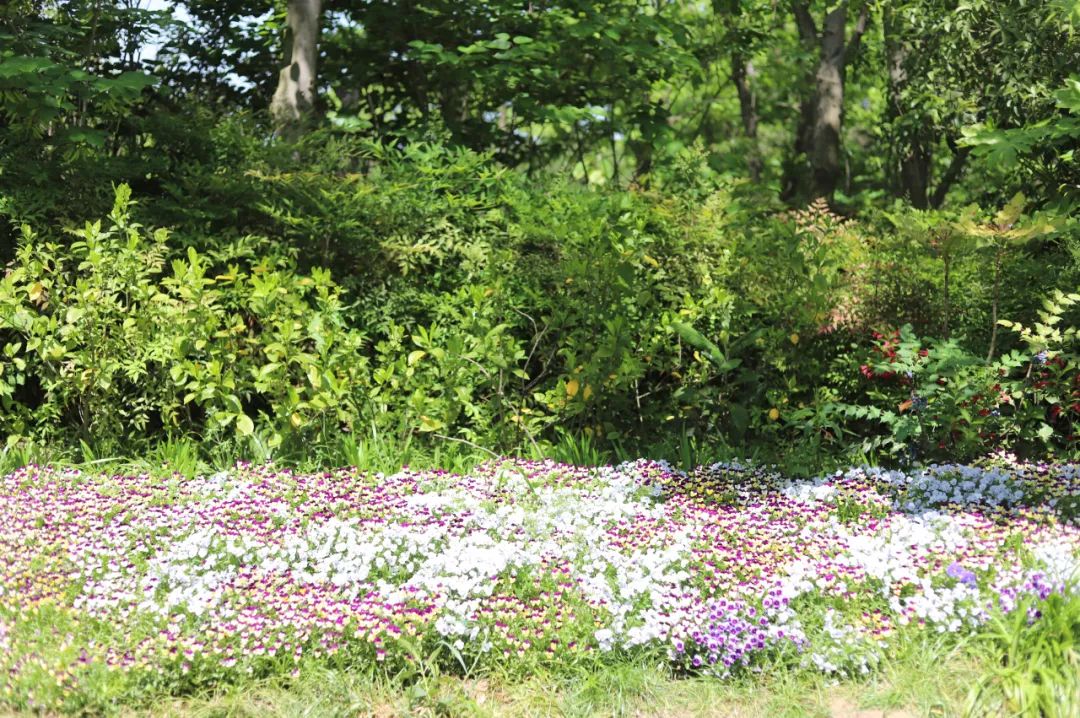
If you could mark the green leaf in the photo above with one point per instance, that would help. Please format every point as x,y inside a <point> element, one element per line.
<point>82,136</point>
<point>740,418</point>
<point>695,339</point>
<point>244,425</point>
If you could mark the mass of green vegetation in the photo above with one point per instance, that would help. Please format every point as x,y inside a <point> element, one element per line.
<point>813,234</point>
<point>807,229</point>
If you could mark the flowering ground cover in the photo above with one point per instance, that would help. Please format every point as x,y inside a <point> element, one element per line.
<point>118,589</point>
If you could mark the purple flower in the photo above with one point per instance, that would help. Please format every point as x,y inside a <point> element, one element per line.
<point>961,574</point>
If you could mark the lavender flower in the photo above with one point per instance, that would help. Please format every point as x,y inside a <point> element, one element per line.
<point>961,574</point>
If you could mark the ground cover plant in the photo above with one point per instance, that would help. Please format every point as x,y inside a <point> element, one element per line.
<point>121,589</point>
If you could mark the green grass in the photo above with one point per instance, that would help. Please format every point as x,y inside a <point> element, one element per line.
<point>925,676</point>
<point>914,684</point>
<point>372,451</point>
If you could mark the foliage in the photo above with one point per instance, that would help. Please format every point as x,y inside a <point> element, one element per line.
<point>543,221</point>
<point>1044,147</point>
<point>934,400</point>
<point>921,395</point>
<point>1037,648</point>
<point>111,341</point>
<point>71,96</point>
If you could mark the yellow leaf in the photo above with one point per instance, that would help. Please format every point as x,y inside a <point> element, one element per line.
<point>295,420</point>
<point>572,388</point>
<point>794,338</point>
<point>650,261</point>
<point>429,424</point>
<point>586,393</point>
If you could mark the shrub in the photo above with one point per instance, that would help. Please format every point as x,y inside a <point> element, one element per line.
<point>101,342</point>
<point>926,399</point>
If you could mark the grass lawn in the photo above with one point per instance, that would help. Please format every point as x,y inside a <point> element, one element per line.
<point>924,681</point>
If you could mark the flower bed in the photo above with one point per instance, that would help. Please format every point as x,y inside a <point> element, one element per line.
<point>119,584</point>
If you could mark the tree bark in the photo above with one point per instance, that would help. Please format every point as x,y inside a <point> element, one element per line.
<point>956,168</point>
<point>740,75</point>
<point>914,157</point>
<point>829,105</point>
<point>822,114</point>
<point>792,183</point>
<point>294,97</point>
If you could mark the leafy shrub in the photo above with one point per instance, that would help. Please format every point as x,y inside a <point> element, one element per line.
<point>921,396</point>
<point>102,342</point>
<point>477,305</point>
<point>928,399</point>
<point>499,307</point>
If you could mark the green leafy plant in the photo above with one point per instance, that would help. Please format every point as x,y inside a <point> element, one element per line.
<point>102,345</point>
<point>1036,652</point>
<point>922,401</point>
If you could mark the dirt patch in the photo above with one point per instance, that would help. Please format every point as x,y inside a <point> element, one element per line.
<point>840,707</point>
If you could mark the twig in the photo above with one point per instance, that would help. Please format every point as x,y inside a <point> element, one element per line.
<point>466,441</point>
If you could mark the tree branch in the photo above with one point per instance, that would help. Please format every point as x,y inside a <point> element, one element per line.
<point>855,43</point>
<point>956,167</point>
<point>805,22</point>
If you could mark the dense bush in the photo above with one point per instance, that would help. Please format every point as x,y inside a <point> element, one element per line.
<point>500,307</point>
<point>109,339</point>
<point>926,399</point>
<point>474,304</point>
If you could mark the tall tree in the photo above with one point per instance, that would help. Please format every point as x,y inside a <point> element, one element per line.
<point>742,33</point>
<point>821,117</point>
<point>294,97</point>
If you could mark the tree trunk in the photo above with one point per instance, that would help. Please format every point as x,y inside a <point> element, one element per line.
<point>741,70</point>
<point>818,137</point>
<point>956,168</point>
<point>913,180</point>
<point>295,95</point>
<point>824,151</point>
<point>914,174</point>
<point>643,160</point>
